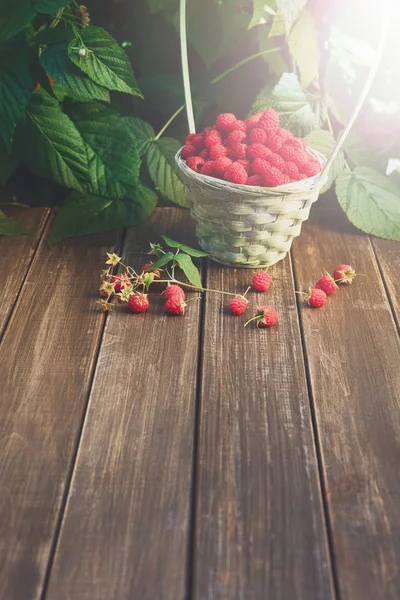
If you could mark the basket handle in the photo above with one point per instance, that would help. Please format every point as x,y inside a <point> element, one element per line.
<point>354,115</point>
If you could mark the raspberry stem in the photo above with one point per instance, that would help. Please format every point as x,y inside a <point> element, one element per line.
<point>193,287</point>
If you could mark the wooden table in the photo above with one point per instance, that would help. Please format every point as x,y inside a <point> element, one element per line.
<point>146,457</point>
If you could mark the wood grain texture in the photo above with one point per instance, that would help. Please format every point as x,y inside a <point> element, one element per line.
<point>47,358</point>
<point>259,521</point>
<point>388,254</point>
<point>353,355</point>
<point>126,527</point>
<point>16,256</point>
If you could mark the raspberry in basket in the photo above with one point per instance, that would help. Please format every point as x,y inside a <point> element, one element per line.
<point>274,177</point>
<point>291,169</point>
<point>290,154</point>
<point>274,142</point>
<point>261,167</point>
<point>239,125</point>
<point>235,137</point>
<point>211,138</point>
<point>208,168</point>
<point>255,180</point>
<point>196,163</point>
<point>258,136</point>
<point>246,164</point>
<point>311,168</point>
<point>224,123</point>
<point>276,161</point>
<point>238,152</point>
<point>253,121</point>
<point>217,151</point>
<point>269,120</point>
<point>284,133</point>
<point>258,151</point>
<point>236,174</point>
<point>196,140</point>
<point>188,150</point>
<point>221,165</point>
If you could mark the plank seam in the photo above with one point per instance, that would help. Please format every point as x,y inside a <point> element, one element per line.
<point>385,286</point>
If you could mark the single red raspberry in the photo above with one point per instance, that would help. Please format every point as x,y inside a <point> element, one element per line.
<point>269,120</point>
<point>258,151</point>
<point>326,284</point>
<point>238,125</point>
<point>238,152</point>
<point>316,298</point>
<point>265,317</point>
<point>217,151</point>
<point>212,137</point>
<point>138,302</point>
<point>311,168</point>
<point>261,281</point>
<point>236,173</point>
<point>235,137</point>
<point>253,121</point>
<point>259,166</point>
<point>344,274</point>
<point>188,151</point>
<point>208,168</point>
<point>285,179</point>
<point>299,177</point>
<point>245,163</point>
<point>203,153</point>
<point>275,178</point>
<point>121,281</point>
<point>291,169</point>
<point>255,180</point>
<point>276,161</point>
<point>284,134</point>
<point>274,142</point>
<point>290,154</point>
<point>221,165</point>
<point>196,140</point>
<point>175,305</point>
<point>156,272</point>
<point>224,123</point>
<point>258,136</point>
<point>173,290</point>
<point>238,305</point>
<point>196,163</point>
<point>297,143</point>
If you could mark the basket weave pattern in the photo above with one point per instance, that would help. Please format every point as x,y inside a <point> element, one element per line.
<point>247,226</point>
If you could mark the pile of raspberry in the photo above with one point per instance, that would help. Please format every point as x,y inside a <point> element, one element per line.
<point>254,152</point>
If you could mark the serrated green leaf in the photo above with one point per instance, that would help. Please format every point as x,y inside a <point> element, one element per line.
<point>16,85</point>
<point>10,227</point>
<point>111,148</point>
<point>162,261</point>
<point>103,60</point>
<point>304,48</point>
<point>290,10</point>
<point>262,13</point>
<point>50,145</point>
<point>143,132</point>
<point>162,169</point>
<point>278,26</point>
<point>324,142</point>
<point>54,59</point>
<point>293,105</point>
<point>14,16</point>
<point>189,268</point>
<point>371,202</point>
<point>188,249</point>
<point>89,214</point>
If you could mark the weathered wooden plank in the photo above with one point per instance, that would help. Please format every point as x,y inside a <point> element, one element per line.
<point>16,256</point>
<point>353,355</point>
<point>388,254</point>
<point>126,526</point>
<point>47,358</point>
<point>259,521</point>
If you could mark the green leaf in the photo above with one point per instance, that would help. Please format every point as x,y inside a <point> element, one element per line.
<point>189,268</point>
<point>49,6</point>
<point>293,105</point>
<point>303,46</point>
<point>278,26</point>
<point>16,85</point>
<point>103,60</point>
<point>54,59</point>
<point>111,148</point>
<point>14,16</point>
<point>262,13</point>
<point>324,142</point>
<point>84,215</point>
<point>143,132</point>
<point>371,202</point>
<point>10,227</point>
<point>188,249</point>
<point>8,163</point>
<point>290,10</point>
<point>50,145</point>
<point>162,169</point>
<point>162,261</point>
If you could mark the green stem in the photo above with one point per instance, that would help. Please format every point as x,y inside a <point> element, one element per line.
<point>194,287</point>
<point>168,123</point>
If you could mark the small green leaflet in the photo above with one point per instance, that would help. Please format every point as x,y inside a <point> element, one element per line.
<point>371,202</point>
<point>103,60</point>
<point>290,10</point>
<point>143,132</point>
<point>278,26</point>
<point>324,142</point>
<point>162,169</point>
<point>304,48</point>
<point>261,13</point>
<point>10,227</point>
<point>16,85</point>
<point>161,262</point>
<point>189,268</point>
<point>187,249</point>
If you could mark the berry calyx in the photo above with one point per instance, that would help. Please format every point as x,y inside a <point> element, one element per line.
<point>265,317</point>
<point>175,305</point>
<point>121,281</point>
<point>138,302</point>
<point>316,298</point>
<point>156,272</point>
<point>344,274</point>
<point>173,291</point>
<point>261,281</point>
<point>326,284</point>
<point>238,305</point>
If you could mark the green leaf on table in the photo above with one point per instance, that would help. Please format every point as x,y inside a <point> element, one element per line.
<point>16,85</point>
<point>87,214</point>
<point>98,55</point>
<point>161,262</point>
<point>163,171</point>
<point>262,13</point>
<point>187,249</point>
<point>294,106</point>
<point>303,46</point>
<point>14,16</point>
<point>10,227</point>
<point>290,10</point>
<point>371,202</point>
<point>278,26</point>
<point>143,132</point>
<point>111,148</point>
<point>189,268</point>
<point>50,145</point>
<point>323,141</point>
